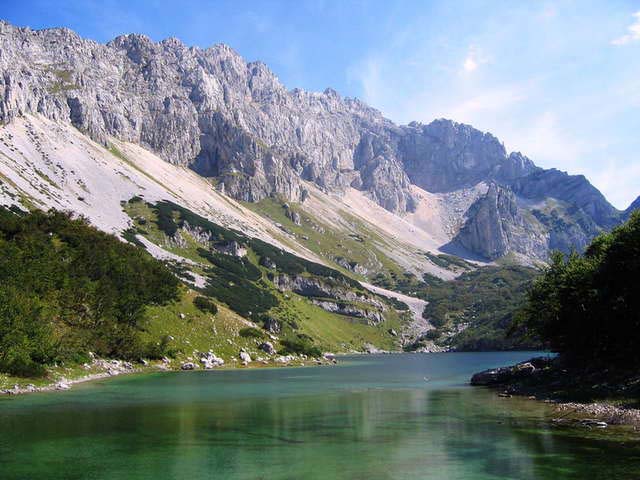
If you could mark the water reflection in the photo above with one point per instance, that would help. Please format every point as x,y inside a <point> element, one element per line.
<point>374,419</point>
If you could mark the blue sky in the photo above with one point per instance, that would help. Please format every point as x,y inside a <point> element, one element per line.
<point>557,80</point>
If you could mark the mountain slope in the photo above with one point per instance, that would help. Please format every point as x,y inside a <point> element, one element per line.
<point>209,110</point>
<point>88,128</point>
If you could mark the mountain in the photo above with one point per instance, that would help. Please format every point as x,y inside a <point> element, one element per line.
<point>224,118</point>
<point>87,127</point>
<point>635,205</point>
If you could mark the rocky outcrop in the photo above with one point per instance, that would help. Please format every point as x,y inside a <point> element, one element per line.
<point>495,226</point>
<point>334,297</point>
<point>574,190</point>
<point>205,108</point>
<point>506,375</point>
<point>267,347</point>
<point>635,205</point>
<point>372,316</point>
<point>444,156</point>
<point>212,111</point>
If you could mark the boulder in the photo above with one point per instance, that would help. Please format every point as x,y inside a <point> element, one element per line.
<point>188,366</point>
<point>245,357</point>
<point>498,376</point>
<point>209,360</point>
<point>267,347</point>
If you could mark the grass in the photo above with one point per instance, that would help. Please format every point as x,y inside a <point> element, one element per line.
<point>297,314</point>
<point>198,330</point>
<point>333,332</point>
<point>358,246</point>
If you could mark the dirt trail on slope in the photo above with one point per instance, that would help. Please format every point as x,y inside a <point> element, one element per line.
<point>419,325</point>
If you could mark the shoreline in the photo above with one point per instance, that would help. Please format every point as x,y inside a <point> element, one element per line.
<point>544,379</point>
<point>116,368</point>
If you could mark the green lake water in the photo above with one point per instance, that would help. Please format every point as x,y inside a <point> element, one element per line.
<point>371,417</point>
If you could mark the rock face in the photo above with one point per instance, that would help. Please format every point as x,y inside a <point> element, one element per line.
<point>496,226</point>
<point>334,297</point>
<point>444,156</point>
<point>210,110</point>
<point>207,109</point>
<point>635,205</point>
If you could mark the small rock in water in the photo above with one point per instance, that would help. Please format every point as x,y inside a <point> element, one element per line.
<point>593,423</point>
<point>63,385</point>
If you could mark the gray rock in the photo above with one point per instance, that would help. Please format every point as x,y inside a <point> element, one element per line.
<point>272,325</point>
<point>495,226</point>
<point>498,376</point>
<point>267,347</point>
<point>188,366</point>
<point>245,357</point>
<point>209,360</point>
<point>210,110</point>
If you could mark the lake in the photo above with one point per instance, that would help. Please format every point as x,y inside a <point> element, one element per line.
<point>371,417</point>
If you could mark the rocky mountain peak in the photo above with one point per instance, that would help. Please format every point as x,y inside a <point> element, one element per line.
<point>210,110</point>
<point>635,205</point>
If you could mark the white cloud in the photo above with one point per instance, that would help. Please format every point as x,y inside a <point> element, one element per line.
<point>633,35</point>
<point>470,64</point>
<point>473,60</point>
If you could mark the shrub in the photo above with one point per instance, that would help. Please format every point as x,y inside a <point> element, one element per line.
<point>251,332</point>
<point>67,288</point>
<point>205,305</point>
<point>301,344</point>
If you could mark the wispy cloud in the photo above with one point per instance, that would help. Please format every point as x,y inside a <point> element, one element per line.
<point>543,81</point>
<point>473,60</point>
<point>633,34</point>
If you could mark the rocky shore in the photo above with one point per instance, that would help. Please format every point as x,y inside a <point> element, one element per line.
<point>100,368</point>
<point>590,397</point>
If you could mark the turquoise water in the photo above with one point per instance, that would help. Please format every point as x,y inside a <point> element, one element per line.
<point>372,417</point>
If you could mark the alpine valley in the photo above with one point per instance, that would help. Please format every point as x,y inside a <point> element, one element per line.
<point>298,222</point>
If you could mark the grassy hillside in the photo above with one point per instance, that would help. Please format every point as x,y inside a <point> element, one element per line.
<point>476,310</point>
<point>69,291</point>
<point>355,254</point>
<point>245,284</point>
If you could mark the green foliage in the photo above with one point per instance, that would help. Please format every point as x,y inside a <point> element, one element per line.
<point>587,307</point>
<point>250,332</point>
<point>231,264</point>
<point>66,289</point>
<point>448,261</point>
<point>237,281</point>
<point>205,305</point>
<point>243,296</point>
<point>484,301</point>
<point>397,304</point>
<point>300,344</point>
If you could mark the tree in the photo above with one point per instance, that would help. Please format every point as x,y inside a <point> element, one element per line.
<point>587,307</point>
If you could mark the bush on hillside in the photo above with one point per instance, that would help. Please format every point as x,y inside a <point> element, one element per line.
<point>67,288</point>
